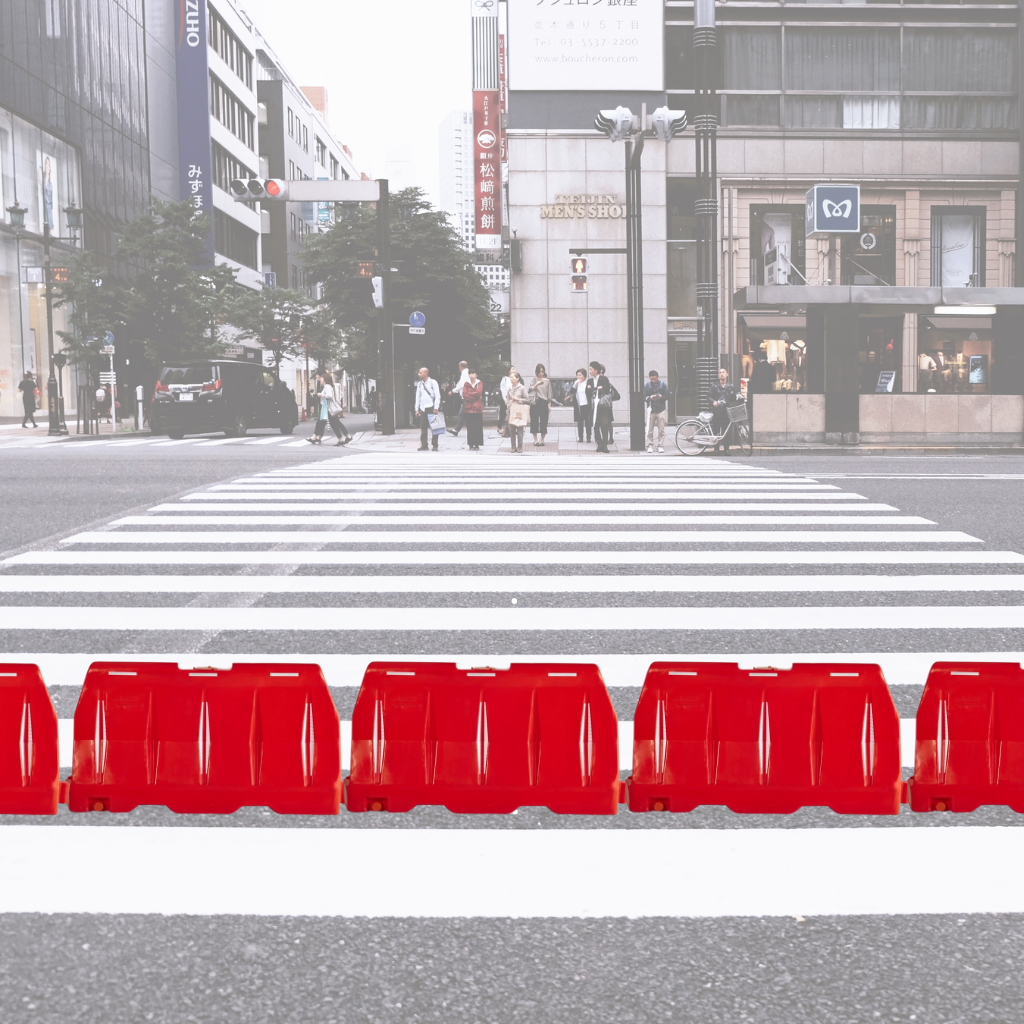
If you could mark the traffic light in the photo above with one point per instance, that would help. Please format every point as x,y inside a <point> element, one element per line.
<point>377,285</point>
<point>668,124</point>
<point>617,123</point>
<point>578,274</point>
<point>245,190</point>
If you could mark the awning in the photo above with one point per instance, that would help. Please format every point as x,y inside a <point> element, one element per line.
<point>767,322</point>
<point>961,323</point>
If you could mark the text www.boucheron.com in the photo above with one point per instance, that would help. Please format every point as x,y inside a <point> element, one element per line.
<point>586,58</point>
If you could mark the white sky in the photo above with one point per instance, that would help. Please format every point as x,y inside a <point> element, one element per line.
<point>394,69</point>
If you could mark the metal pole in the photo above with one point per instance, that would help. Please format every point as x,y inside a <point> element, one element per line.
<point>705,123</point>
<point>51,383</point>
<point>21,301</point>
<point>386,355</point>
<point>635,261</point>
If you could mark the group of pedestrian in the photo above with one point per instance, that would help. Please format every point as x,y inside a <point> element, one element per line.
<point>468,391</point>
<point>591,396</point>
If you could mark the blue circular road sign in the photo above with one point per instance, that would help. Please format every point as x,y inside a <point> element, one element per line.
<point>417,319</point>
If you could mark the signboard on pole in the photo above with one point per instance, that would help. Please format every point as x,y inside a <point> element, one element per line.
<point>195,157</point>
<point>584,47</point>
<point>487,169</point>
<point>833,210</point>
<point>502,96</point>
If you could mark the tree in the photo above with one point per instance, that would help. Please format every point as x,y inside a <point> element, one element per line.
<point>436,276</point>
<point>274,318</point>
<point>161,294</point>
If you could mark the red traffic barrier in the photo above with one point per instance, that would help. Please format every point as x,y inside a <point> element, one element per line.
<point>765,741</point>
<point>29,755</point>
<point>206,741</point>
<point>484,741</point>
<point>970,738</point>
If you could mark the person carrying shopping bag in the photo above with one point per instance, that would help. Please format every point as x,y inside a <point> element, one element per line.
<point>330,412</point>
<point>428,403</point>
<point>518,411</point>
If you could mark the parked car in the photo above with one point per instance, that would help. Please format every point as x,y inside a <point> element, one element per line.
<point>220,394</point>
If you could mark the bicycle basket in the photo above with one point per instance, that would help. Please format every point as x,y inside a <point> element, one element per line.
<point>737,413</point>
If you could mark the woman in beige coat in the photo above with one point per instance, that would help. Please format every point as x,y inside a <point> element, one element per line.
<point>518,411</point>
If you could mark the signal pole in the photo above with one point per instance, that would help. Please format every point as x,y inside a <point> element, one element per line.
<point>386,348</point>
<point>705,124</point>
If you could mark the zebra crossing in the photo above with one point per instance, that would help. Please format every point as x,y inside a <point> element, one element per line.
<point>620,563</point>
<point>61,444</point>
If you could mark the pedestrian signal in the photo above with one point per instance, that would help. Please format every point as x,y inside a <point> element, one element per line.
<point>578,274</point>
<point>245,190</point>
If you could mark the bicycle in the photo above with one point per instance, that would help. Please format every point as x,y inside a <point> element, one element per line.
<point>695,436</point>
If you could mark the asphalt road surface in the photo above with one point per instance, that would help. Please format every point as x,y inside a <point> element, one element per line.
<point>208,555</point>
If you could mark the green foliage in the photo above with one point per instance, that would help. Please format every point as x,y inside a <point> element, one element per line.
<point>436,276</point>
<point>168,298</point>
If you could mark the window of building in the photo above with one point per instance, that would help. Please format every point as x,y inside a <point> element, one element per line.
<point>682,247</point>
<point>291,123</point>
<point>226,168</point>
<point>305,138</point>
<point>233,240</point>
<point>291,170</point>
<point>870,257</point>
<point>777,245</point>
<point>918,79</point>
<point>226,109</point>
<point>320,149</point>
<point>293,222</point>
<point>227,45</point>
<point>958,246</point>
<point>335,166</point>
<point>954,355</point>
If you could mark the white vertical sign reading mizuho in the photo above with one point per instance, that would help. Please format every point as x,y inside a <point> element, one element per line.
<point>586,45</point>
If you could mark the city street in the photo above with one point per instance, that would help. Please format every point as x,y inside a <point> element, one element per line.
<point>253,552</point>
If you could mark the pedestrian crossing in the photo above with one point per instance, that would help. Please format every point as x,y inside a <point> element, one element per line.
<point>66,445</point>
<point>346,559</point>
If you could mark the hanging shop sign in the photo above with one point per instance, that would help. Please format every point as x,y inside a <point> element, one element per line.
<point>833,210</point>
<point>583,206</point>
<point>487,169</point>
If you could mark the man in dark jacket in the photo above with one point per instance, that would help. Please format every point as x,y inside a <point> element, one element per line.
<point>721,396</point>
<point>598,387</point>
<point>27,387</point>
<point>762,381</point>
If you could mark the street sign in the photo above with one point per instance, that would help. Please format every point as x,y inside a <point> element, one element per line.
<point>832,210</point>
<point>417,330</point>
<point>417,319</point>
<point>107,350</point>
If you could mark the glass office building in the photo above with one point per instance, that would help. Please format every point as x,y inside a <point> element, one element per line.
<point>73,131</point>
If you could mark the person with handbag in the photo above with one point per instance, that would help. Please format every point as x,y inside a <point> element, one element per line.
<point>330,412</point>
<point>600,394</point>
<point>518,411</point>
<point>539,396</point>
<point>473,410</point>
<point>581,411</point>
<point>428,402</point>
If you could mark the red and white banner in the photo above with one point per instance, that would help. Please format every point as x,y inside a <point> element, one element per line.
<point>487,168</point>
<point>502,97</point>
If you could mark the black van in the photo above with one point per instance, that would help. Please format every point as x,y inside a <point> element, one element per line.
<point>220,394</point>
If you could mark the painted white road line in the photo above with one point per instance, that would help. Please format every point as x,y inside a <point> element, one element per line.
<point>185,440</point>
<point>500,557</point>
<point>510,873</point>
<point>348,487</point>
<point>453,497</point>
<point>451,619</point>
<point>618,670</point>
<point>220,440</point>
<point>354,536</point>
<point>432,583</point>
<point>277,440</point>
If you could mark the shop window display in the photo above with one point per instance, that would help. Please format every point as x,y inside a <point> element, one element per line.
<point>869,258</point>
<point>881,356</point>
<point>786,356</point>
<point>954,355</point>
<point>777,245</point>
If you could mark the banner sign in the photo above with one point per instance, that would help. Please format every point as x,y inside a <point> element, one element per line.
<point>832,210</point>
<point>502,97</point>
<point>487,169</point>
<point>195,158</point>
<point>609,46</point>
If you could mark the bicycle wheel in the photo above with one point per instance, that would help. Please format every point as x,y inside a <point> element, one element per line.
<point>745,437</point>
<point>693,436</point>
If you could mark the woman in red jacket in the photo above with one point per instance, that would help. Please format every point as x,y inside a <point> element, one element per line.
<point>473,410</point>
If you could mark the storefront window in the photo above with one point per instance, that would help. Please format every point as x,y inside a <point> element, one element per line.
<point>777,245</point>
<point>881,355</point>
<point>870,257</point>
<point>958,246</point>
<point>682,247</point>
<point>780,343</point>
<point>954,355</point>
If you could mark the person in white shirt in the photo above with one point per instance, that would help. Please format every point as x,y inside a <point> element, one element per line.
<point>457,390</point>
<point>504,387</point>
<point>428,401</point>
<point>582,412</point>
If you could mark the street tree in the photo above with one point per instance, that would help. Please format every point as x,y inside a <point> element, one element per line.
<point>436,276</point>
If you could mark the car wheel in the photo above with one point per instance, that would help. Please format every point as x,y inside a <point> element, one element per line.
<point>175,435</point>
<point>287,428</point>
<point>238,427</point>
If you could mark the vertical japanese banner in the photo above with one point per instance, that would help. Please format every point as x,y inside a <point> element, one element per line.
<point>487,169</point>
<point>502,97</point>
<point>195,158</point>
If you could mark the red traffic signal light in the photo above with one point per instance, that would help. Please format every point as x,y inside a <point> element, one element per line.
<point>245,190</point>
<point>578,274</point>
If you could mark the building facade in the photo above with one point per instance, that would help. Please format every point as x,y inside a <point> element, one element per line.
<point>914,330</point>
<point>73,133</point>
<point>455,173</point>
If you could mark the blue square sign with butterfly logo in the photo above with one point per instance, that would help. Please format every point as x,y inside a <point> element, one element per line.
<point>833,210</point>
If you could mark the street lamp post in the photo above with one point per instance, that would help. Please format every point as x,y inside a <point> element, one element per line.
<point>17,215</point>
<point>618,125</point>
<point>705,125</point>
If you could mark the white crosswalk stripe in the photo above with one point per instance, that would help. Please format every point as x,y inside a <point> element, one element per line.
<point>384,555</point>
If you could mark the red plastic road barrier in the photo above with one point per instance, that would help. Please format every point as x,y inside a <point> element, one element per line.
<point>765,741</point>
<point>970,738</point>
<point>484,741</point>
<point>207,740</point>
<point>29,757</point>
